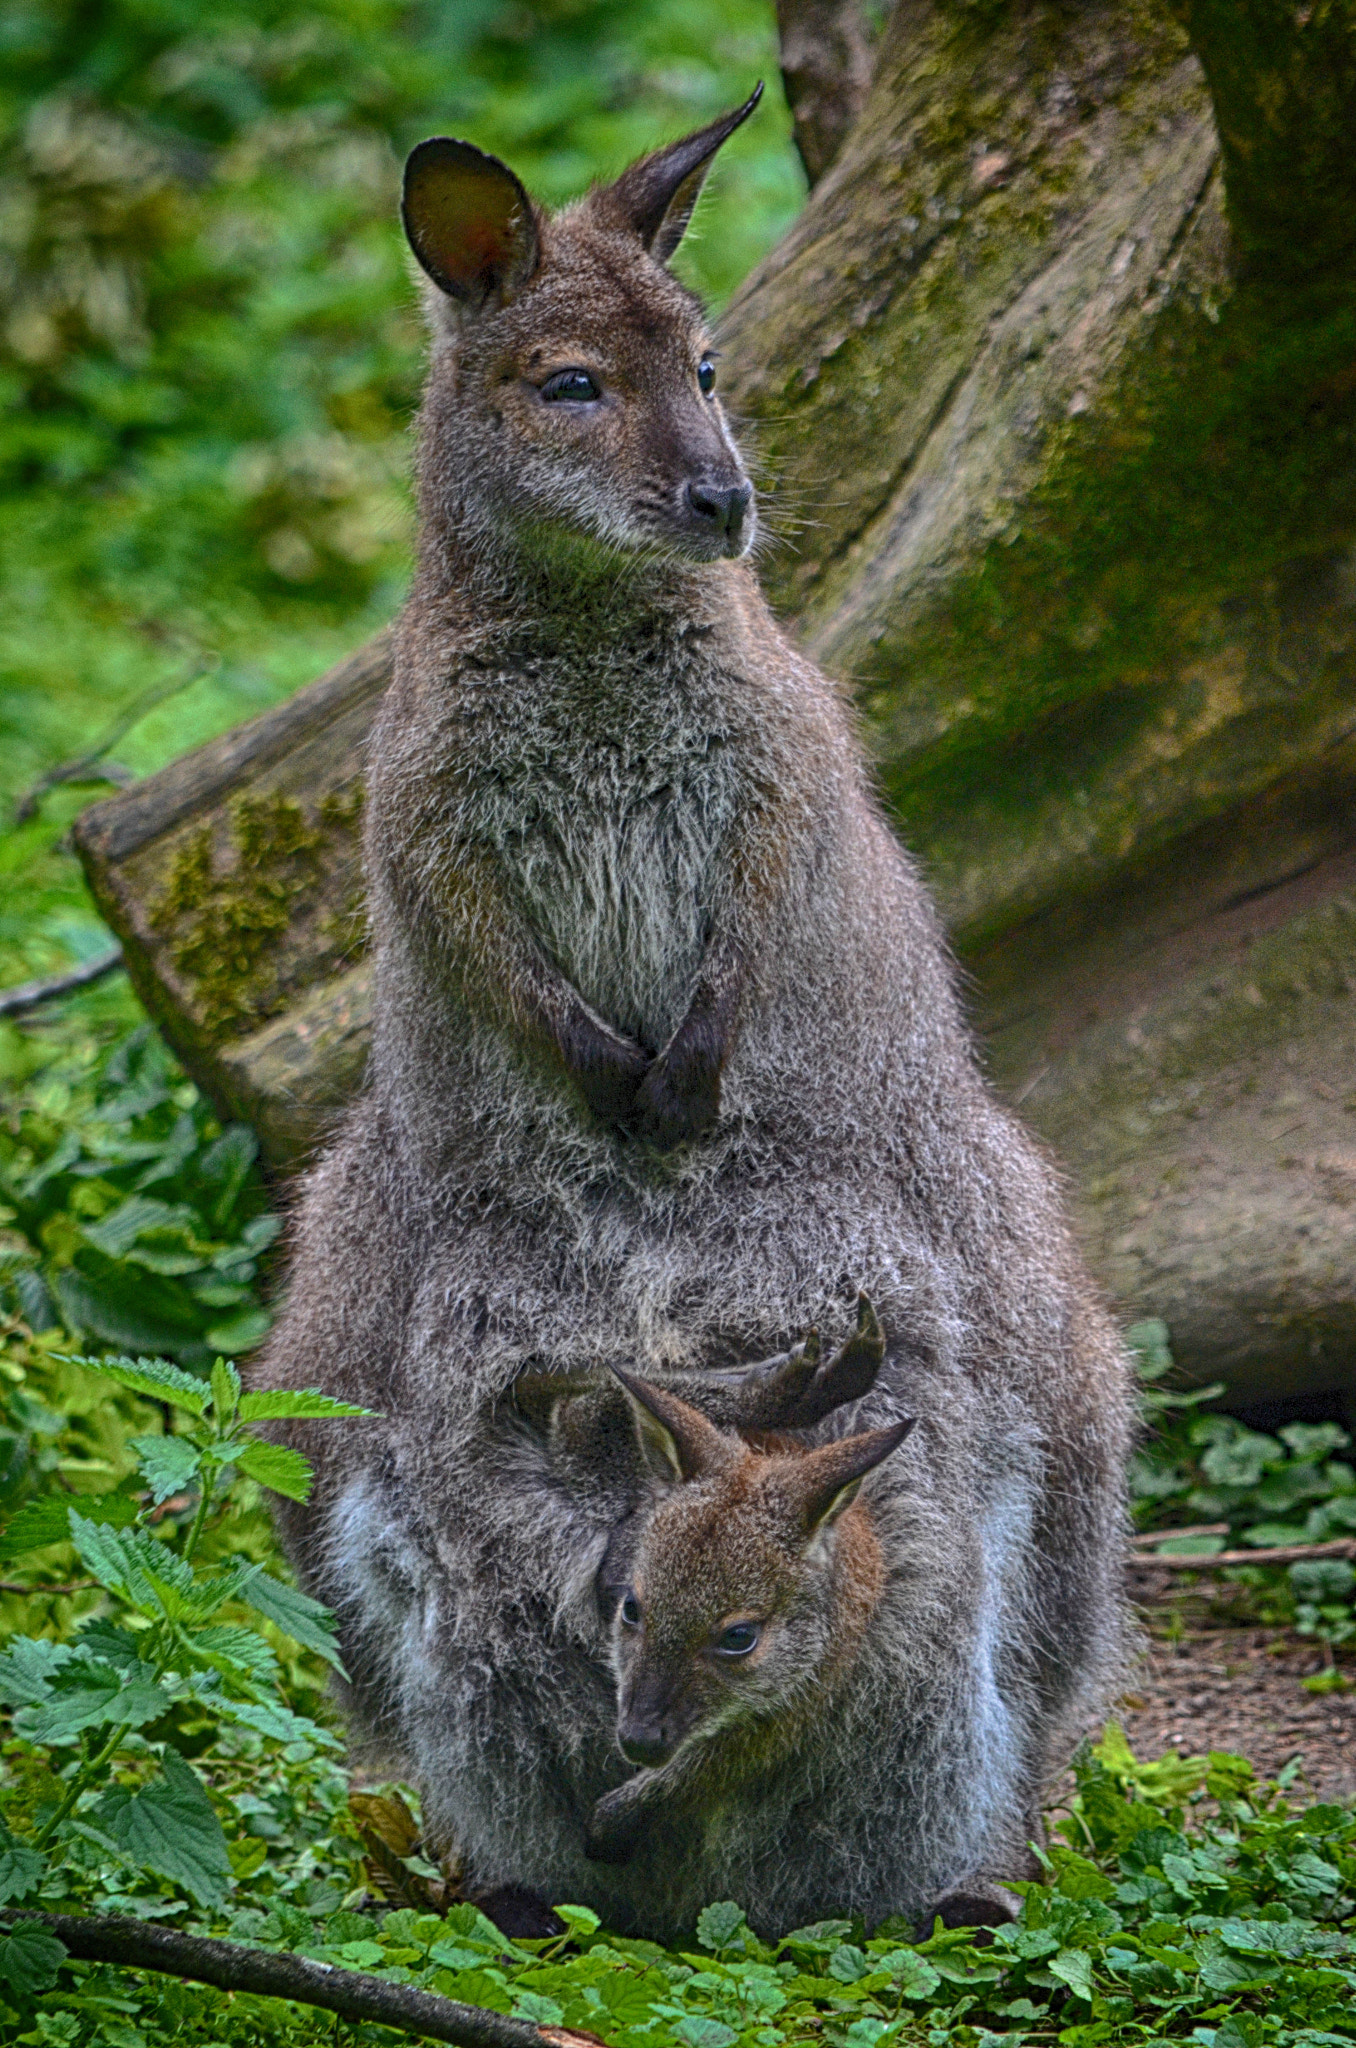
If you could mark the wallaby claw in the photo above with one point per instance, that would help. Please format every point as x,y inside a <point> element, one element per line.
<point>794,1391</point>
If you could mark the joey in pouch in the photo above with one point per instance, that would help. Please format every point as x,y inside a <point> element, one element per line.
<point>668,1064</point>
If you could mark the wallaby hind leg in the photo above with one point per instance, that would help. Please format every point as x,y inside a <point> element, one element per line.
<point>978,1901</point>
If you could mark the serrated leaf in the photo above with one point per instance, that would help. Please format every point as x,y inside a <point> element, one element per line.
<point>30,1958</point>
<point>154,1377</point>
<point>234,1652</point>
<point>133,1563</point>
<point>225,1391</point>
<point>27,1670</point>
<point>1073,1966</point>
<point>169,1827</point>
<point>718,1925</point>
<point>21,1868</point>
<point>169,1463</point>
<point>88,1693</point>
<point>276,1466</point>
<point>296,1614</point>
<point>281,1403</point>
<point>280,1723</point>
<point>40,1523</point>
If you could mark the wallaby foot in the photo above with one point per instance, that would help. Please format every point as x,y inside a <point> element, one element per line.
<point>519,1913</point>
<point>612,1831</point>
<point>795,1391</point>
<point>977,1901</point>
<point>679,1097</point>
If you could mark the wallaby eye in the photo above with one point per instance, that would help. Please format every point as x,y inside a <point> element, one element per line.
<point>738,1639</point>
<point>706,376</point>
<point>576,385</point>
<point>630,1611</point>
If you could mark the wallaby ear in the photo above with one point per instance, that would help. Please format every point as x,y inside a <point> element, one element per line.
<point>677,1442</point>
<point>469,222</point>
<point>829,1480</point>
<point>655,197</point>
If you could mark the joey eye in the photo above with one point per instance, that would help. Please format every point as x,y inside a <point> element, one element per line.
<point>630,1611</point>
<point>738,1639</point>
<point>576,385</point>
<point>706,376</point>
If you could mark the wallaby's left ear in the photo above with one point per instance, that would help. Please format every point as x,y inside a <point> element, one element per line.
<point>469,221</point>
<point>655,198</point>
<point>829,1480</point>
<point>677,1442</point>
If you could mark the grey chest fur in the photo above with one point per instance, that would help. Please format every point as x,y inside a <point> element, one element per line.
<point>609,820</point>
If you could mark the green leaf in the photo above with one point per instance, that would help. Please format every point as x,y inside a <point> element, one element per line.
<point>719,1926</point>
<point>1073,1966</point>
<point>88,1693</point>
<point>276,1466</point>
<point>279,1403</point>
<point>169,1827</point>
<point>132,1562</point>
<point>169,1462</point>
<point>296,1614</point>
<point>156,1378</point>
<point>40,1523</point>
<point>21,1868</point>
<point>30,1958</point>
<point>241,1332</point>
<point>225,1391</point>
<point>279,1723</point>
<point>27,1671</point>
<point>234,1652</point>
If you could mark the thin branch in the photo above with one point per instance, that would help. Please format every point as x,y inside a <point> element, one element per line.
<point>1283,1553</point>
<point>352,1994</point>
<point>35,1592</point>
<point>1148,1537</point>
<point>29,994</point>
<point>82,768</point>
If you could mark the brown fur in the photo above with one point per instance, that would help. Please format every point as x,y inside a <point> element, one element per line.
<point>668,1063</point>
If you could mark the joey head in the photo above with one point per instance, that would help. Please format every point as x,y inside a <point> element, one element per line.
<point>750,1585</point>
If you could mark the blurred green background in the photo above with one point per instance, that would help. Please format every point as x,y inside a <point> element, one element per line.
<point>210,350</point>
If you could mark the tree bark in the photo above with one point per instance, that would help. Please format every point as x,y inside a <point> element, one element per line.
<point>826,70</point>
<point>1056,421</point>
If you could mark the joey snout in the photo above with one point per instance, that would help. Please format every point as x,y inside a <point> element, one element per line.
<point>654,1720</point>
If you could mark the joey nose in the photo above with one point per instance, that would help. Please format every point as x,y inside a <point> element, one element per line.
<point>723,506</point>
<point>644,1742</point>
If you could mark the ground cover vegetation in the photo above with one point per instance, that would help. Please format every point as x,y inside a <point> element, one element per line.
<point>209,359</point>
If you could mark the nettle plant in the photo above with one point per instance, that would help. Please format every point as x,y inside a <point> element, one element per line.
<point>103,1719</point>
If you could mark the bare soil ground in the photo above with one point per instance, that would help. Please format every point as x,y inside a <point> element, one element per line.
<point>1241,1689</point>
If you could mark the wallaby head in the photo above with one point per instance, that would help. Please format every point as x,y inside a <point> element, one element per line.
<point>752,1583</point>
<point>572,384</point>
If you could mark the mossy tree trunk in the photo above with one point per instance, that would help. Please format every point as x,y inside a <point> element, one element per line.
<point>1054,386</point>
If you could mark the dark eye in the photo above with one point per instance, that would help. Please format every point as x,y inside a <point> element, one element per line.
<point>630,1611</point>
<point>706,375</point>
<point>738,1639</point>
<point>571,384</point>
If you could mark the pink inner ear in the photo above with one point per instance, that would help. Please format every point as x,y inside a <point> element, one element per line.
<point>468,221</point>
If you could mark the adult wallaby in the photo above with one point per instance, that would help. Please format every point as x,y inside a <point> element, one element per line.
<point>668,1062</point>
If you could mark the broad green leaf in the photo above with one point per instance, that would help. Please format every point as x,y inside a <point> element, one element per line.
<point>296,1614</point>
<point>132,1563</point>
<point>720,1925</point>
<point>40,1523</point>
<point>169,1463</point>
<point>225,1391</point>
<point>116,1645</point>
<point>29,1960</point>
<point>240,1332</point>
<point>154,1377</point>
<point>21,1868</point>
<point>1073,1966</point>
<point>913,1974</point>
<point>279,1403</point>
<point>234,1652</point>
<point>88,1693</point>
<point>27,1671</point>
<point>169,1827</point>
<point>276,1466</point>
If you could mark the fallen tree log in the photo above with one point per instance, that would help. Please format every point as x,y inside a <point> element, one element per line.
<point>1058,424</point>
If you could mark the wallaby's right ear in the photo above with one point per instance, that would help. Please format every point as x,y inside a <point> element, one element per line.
<point>469,222</point>
<point>677,1442</point>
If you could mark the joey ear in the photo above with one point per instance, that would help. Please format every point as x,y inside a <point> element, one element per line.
<point>656,196</point>
<point>469,222</point>
<point>677,1442</point>
<point>828,1480</point>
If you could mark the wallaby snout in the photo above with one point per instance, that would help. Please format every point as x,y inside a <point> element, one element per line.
<point>715,504</point>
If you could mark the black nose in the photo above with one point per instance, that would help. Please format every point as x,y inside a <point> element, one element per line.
<point>725,505</point>
<point>644,1743</point>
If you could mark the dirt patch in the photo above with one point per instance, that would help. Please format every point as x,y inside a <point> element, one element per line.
<point>1241,1689</point>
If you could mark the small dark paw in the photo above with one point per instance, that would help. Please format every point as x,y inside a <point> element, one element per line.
<point>612,1831</point>
<point>796,1391</point>
<point>679,1097</point>
<point>608,1075</point>
<point>520,1914</point>
<point>974,1902</point>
